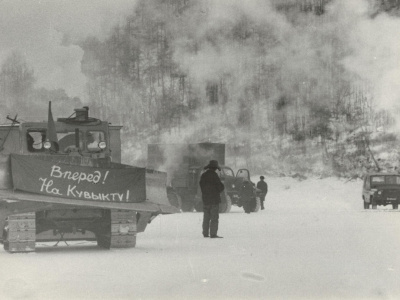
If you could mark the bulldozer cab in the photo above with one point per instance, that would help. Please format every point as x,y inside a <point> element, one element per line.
<point>86,137</point>
<point>86,140</point>
<point>83,138</point>
<point>89,141</point>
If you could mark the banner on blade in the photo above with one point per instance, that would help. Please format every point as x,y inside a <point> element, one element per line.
<point>35,175</point>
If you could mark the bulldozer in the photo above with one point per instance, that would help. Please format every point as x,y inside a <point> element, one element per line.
<point>184,164</point>
<point>63,180</point>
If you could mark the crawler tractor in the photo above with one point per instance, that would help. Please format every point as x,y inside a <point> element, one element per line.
<point>63,180</point>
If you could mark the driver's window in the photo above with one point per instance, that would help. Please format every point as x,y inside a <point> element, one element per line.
<point>93,138</point>
<point>243,174</point>
<point>35,140</point>
<point>226,172</point>
<point>67,141</point>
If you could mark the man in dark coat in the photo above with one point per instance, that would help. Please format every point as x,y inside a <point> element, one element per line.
<point>263,186</point>
<point>211,187</point>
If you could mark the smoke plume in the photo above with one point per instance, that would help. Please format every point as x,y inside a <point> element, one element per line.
<point>375,49</point>
<point>348,41</point>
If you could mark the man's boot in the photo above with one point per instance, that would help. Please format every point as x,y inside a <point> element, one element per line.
<point>216,237</point>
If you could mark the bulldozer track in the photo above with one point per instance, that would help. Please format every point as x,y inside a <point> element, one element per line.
<point>20,233</point>
<point>122,230</point>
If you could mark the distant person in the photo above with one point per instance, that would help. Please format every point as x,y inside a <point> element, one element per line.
<point>263,186</point>
<point>211,186</point>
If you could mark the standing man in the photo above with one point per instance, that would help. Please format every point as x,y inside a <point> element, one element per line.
<point>211,187</point>
<point>263,186</point>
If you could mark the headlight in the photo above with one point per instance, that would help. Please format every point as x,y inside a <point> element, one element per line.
<point>102,145</point>
<point>47,145</point>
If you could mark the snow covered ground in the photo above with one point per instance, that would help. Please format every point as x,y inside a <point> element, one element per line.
<point>313,241</point>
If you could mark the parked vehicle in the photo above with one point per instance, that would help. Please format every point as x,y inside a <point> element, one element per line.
<point>185,163</point>
<point>235,186</point>
<point>381,188</point>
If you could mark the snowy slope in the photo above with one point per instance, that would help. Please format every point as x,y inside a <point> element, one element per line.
<point>313,241</point>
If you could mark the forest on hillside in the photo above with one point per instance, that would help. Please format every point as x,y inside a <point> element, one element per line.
<point>290,86</point>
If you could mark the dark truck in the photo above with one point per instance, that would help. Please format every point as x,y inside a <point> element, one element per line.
<point>235,189</point>
<point>185,163</point>
<point>381,188</point>
<point>63,180</point>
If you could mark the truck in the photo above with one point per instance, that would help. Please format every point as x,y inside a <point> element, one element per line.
<point>235,185</point>
<point>381,188</point>
<point>63,180</point>
<point>184,164</point>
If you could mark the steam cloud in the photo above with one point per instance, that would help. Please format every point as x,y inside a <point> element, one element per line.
<point>346,35</point>
<point>375,49</point>
<point>208,29</point>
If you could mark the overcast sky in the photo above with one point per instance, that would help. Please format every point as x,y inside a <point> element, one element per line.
<point>36,28</point>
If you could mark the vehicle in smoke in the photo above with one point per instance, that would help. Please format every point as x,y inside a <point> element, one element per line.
<point>235,186</point>
<point>64,180</point>
<point>185,163</point>
<point>381,188</point>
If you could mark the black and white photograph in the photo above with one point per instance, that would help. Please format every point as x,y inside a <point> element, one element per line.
<point>199,149</point>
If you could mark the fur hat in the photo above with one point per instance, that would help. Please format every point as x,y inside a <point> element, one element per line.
<point>213,164</point>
